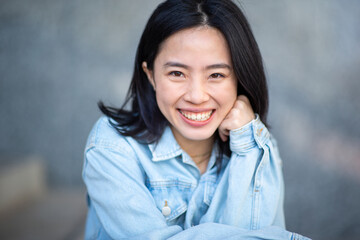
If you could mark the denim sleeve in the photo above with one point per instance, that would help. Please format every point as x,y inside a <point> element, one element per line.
<point>253,148</point>
<point>213,231</point>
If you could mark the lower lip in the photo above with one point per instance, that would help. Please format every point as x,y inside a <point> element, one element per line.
<point>196,123</point>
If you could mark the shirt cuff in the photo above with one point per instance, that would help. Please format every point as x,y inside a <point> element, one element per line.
<point>250,135</point>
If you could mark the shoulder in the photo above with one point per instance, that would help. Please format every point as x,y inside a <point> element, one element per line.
<point>104,135</point>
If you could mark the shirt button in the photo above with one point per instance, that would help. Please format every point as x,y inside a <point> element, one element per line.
<point>166,210</point>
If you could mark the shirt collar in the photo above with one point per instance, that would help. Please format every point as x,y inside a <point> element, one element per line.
<point>166,148</point>
<point>213,157</point>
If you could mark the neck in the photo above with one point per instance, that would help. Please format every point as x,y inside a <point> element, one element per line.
<point>199,151</point>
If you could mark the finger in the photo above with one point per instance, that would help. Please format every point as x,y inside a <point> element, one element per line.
<point>243,98</point>
<point>233,121</point>
<point>224,131</point>
<point>242,103</point>
<point>223,136</point>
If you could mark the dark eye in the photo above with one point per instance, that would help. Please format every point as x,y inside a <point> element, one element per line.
<point>216,75</point>
<point>177,74</point>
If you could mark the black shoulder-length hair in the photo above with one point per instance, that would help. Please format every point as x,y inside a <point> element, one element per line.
<point>144,121</point>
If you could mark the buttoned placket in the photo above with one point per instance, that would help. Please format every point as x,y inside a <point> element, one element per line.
<point>194,205</point>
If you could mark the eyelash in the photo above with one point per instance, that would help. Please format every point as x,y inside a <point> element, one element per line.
<point>219,75</point>
<point>176,73</point>
<point>180,74</point>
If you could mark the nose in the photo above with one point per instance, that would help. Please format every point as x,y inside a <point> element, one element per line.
<point>196,91</point>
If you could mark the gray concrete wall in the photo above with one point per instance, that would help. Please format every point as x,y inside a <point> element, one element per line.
<point>58,58</point>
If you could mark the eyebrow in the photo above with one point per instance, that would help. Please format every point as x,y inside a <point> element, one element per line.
<point>176,64</point>
<point>217,65</point>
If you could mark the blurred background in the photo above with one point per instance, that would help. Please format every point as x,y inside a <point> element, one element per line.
<point>58,58</point>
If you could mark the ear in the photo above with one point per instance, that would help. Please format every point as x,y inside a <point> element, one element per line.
<point>149,74</point>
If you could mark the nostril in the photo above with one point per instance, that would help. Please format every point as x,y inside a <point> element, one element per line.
<point>196,96</point>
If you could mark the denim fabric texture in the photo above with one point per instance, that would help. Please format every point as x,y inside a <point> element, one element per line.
<point>156,191</point>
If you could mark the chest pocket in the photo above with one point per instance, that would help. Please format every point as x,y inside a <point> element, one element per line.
<point>171,197</point>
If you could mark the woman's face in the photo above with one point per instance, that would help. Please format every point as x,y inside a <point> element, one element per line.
<point>194,82</point>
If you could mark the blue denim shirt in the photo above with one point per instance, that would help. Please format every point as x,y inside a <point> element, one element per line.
<point>156,191</point>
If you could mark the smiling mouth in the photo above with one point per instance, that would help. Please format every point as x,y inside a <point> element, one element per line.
<point>198,117</point>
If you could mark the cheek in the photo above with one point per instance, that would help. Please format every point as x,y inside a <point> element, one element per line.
<point>165,100</point>
<point>226,95</point>
<point>167,93</point>
<point>232,93</point>
<point>228,101</point>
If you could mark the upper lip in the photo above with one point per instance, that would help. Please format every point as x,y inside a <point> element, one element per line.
<point>196,110</point>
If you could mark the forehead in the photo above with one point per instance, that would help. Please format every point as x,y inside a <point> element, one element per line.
<point>198,45</point>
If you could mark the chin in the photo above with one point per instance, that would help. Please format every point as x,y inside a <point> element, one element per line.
<point>198,135</point>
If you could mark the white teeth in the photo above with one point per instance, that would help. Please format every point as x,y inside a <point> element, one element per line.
<point>197,116</point>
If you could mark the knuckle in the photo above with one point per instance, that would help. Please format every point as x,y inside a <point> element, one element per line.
<point>243,98</point>
<point>235,112</point>
<point>240,105</point>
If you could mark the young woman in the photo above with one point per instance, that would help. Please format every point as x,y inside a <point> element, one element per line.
<point>192,158</point>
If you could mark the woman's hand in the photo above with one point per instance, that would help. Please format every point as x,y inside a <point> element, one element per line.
<point>241,114</point>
